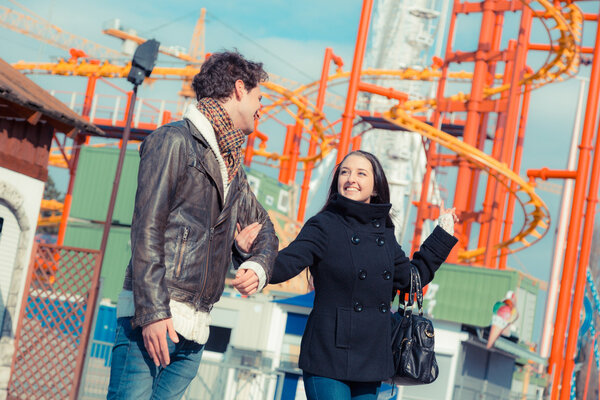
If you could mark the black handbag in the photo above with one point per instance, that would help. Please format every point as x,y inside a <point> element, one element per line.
<point>413,340</point>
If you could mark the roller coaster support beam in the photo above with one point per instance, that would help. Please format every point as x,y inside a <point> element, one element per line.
<point>490,199</point>
<point>295,150</point>
<point>545,174</point>
<point>359,54</point>
<point>561,234</point>
<point>78,141</point>
<point>547,47</point>
<point>510,128</point>
<point>312,147</point>
<point>431,149</point>
<point>89,95</point>
<point>556,360</point>
<point>516,168</point>
<point>463,179</point>
<point>390,93</point>
<point>584,256</point>
<point>249,152</point>
<point>482,134</point>
<point>284,166</point>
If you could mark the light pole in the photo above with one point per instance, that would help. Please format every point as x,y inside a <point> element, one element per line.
<point>142,65</point>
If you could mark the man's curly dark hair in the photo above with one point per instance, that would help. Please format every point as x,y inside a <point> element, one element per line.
<point>220,71</point>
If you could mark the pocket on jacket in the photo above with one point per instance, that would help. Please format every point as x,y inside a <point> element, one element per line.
<point>181,250</point>
<point>342,327</point>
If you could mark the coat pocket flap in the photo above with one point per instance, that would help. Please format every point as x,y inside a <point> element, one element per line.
<point>342,327</point>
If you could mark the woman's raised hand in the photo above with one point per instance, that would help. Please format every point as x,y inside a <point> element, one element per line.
<point>451,211</point>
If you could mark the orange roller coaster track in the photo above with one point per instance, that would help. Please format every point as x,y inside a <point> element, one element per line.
<point>563,61</point>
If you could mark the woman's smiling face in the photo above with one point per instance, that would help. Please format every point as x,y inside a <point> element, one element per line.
<point>355,179</point>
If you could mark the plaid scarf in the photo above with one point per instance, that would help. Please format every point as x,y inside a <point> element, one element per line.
<point>230,139</point>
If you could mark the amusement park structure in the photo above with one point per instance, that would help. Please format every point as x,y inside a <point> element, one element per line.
<point>453,127</point>
<point>410,29</point>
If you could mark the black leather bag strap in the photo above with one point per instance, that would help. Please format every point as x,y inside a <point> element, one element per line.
<point>411,294</point>
<point>416,276</point>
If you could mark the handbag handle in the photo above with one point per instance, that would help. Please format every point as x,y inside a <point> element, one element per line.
<point>415,288</point>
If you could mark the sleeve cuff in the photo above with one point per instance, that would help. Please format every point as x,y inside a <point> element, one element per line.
<point>446,222</point>
<point>258,270</point>
<point>243,254</point>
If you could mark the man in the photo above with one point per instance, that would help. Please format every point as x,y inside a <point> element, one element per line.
<point>192,195</point>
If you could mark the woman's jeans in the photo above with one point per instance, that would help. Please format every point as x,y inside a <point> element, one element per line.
<point>133,374</point>
<point>321,388</point>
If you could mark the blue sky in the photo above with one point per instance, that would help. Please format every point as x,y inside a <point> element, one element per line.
<point>290,39</point>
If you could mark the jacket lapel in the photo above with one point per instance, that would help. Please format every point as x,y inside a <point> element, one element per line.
<point>209,163</point>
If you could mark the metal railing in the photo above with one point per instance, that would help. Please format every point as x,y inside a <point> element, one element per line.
<point>214,380</point>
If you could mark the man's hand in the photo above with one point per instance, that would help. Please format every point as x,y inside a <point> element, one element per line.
<point>155,340</point>
<point>246,281</point>
<point>245,237</point>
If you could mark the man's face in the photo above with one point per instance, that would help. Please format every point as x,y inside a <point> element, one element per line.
<point>249,107</point>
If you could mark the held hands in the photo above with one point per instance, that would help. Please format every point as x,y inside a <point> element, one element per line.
<point>155,340</point>
<point>245,237</point>
<point>246,282</point>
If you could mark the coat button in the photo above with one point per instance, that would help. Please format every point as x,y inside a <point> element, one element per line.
<point>358,307</point>
<point>380,241</point>
<point>376,223</point>
<point>387,275</point>
<point>383,308</point>
<point>362,274</point>
<point>355,239</point>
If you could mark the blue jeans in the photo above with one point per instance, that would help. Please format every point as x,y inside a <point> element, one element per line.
<point>321,388</point>
<point>133,374</point>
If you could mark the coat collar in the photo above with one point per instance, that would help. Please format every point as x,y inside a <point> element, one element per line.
<point>359,211</point>
<point>205,132</point>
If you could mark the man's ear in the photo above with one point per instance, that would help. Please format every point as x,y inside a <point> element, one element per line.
<point>239,89</point>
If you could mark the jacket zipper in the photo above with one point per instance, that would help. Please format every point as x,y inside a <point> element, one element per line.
<point>186,232</point>
<point>210,238</point>
<point>201,293</point>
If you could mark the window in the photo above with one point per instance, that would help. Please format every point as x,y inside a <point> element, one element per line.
<point>218,339</point>
<point>254,183</point>
<point>284,200</point>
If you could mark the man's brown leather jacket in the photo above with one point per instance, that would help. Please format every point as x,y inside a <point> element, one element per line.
<point>182,232</point>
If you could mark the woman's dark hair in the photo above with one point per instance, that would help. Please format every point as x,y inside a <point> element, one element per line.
<point>380,183</point>
<point>220,71</point>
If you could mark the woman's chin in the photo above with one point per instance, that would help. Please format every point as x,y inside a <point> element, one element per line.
<point>354,196</point>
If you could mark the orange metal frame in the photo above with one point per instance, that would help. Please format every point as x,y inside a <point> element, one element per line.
<point>492,220</point>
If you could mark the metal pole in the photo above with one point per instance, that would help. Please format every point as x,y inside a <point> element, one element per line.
<point>62,229</point>
<point>584,257</point>
<point>312,148</point>
<point>516,169</point>
<point>512,115</point>
<point>77,143</point>
<point>556,360</point>
<point>113,196</point>
<point>490,203</point>
<point>359,53</point>
<point>437,122</point>
<point>561,231</point>
<point>108,222</point>
<point>474,113</point>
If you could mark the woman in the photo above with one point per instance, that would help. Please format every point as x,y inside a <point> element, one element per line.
<point>357,267</point>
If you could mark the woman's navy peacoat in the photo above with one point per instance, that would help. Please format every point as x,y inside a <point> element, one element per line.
<point>357,266</point>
